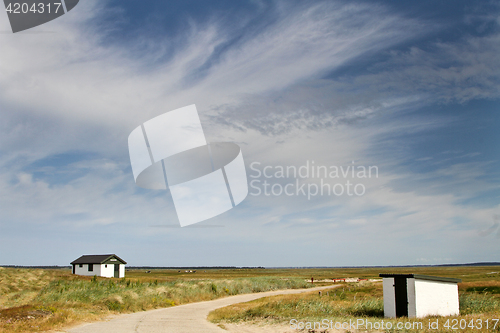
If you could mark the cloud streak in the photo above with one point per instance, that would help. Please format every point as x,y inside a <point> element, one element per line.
<point>268,87</point>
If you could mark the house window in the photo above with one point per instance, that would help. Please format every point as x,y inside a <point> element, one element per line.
<point>80,265</point>
<point>91,267</point>
<point>105,266</point>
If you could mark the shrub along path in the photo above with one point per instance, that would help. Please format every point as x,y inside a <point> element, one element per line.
<point>187,318</point>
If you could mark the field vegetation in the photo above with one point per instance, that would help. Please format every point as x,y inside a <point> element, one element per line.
<point>33,300</point>
<point>479,296</point>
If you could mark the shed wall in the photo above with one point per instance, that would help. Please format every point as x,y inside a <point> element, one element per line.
<point>389,298</point>
<point>436,298</point>
<point>412,308</point>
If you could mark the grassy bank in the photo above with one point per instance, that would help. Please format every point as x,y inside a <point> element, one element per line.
<point>34,300</point>
<point>479,299</point>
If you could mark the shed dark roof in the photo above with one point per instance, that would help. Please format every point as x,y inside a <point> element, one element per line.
<point>97,259</point>
<point>423,277</point>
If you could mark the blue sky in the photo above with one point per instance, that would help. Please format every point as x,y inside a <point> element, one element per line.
<point>411,87</point>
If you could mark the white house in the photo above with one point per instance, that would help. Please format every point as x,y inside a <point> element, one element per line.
<point>105,265</point>
<point>414,295</point>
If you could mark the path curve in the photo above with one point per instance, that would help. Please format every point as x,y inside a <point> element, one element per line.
<point>186,318</point>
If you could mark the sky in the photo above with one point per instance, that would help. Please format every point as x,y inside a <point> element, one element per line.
<point>410,89</point>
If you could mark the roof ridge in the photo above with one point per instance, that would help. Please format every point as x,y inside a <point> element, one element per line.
<point>96,259</point>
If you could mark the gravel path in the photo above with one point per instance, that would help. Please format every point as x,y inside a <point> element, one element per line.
<point>187,318</point>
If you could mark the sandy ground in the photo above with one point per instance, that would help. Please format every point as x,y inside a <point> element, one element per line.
<point>265,327</point>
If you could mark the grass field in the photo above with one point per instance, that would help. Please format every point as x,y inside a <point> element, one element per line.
<point>34,300</point>
<point>479,295</point>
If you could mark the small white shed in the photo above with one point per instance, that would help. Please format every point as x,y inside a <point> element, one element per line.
<point>415,295</point>
<point>105,265</point>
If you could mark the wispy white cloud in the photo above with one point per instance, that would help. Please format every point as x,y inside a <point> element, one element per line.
<point>266,91</point>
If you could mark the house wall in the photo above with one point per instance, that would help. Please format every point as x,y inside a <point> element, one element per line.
<point>114,261</point>
<point>389,298</point>
<point>85,270</point>
<point>436,298</point>
<point>100,270</point>
<point>122,271</point>
<point>107,271</point>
